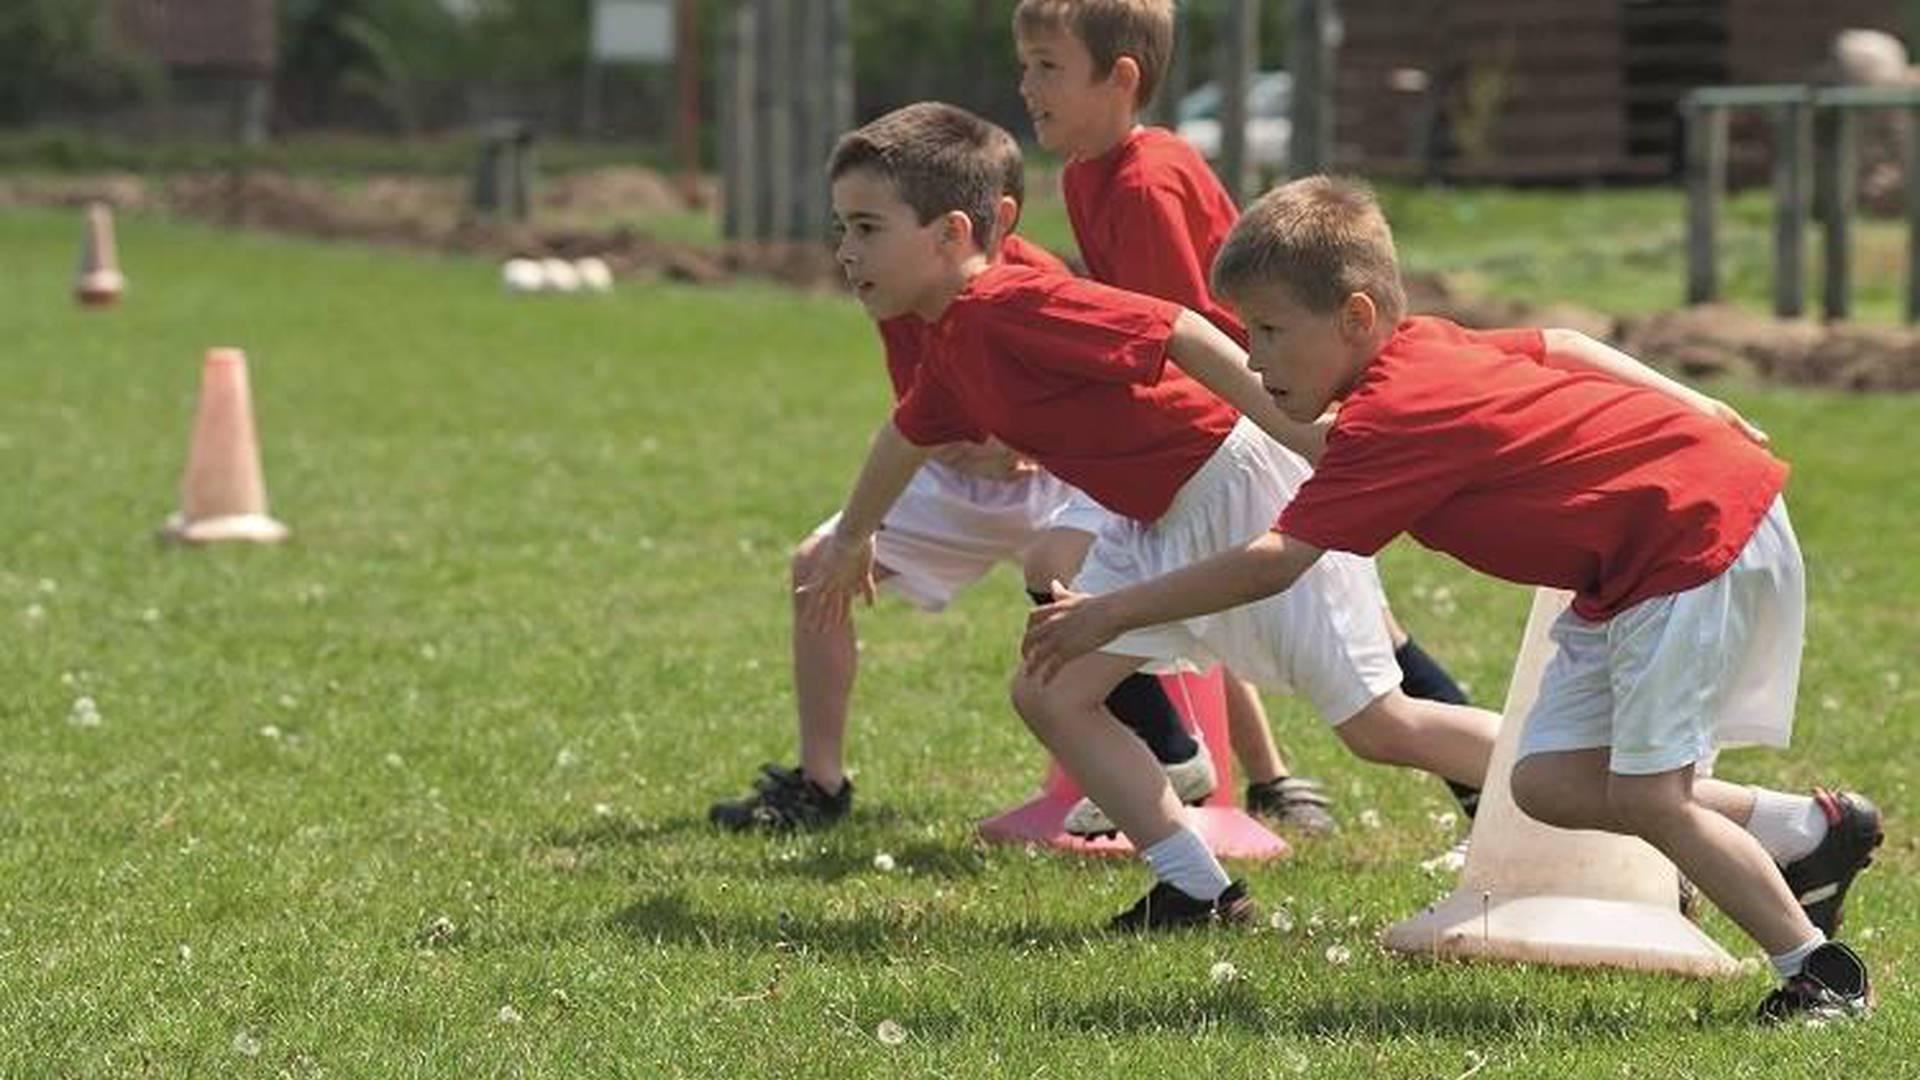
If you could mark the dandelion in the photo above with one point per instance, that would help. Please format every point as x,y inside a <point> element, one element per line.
<point>429,652</point>
<point>245,1044</point>
<point>1830,703</point>
<point>509,1015</point>
<point>1280,920</point>
<point>438,932</point>
<point>883,862</point>
<point>85,713</point>
<point>1339,955</point>
<point>49,586</point>
<point>601,809</point>
<point>1443,821</point>
<point>890,1033</point>
<point>186,953</point>
<point>566,758</point>
<point>1370,818</point>
<point>150,615</point>
<point>1223,971</point>
<point>394,760</point>
<point>269,731</point>
<point>288,701</point>
<point>35,613</point>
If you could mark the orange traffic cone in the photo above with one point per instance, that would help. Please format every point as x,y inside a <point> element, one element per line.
<point>1536,894</point>
<point>99,282</point>
<point>1229,831</point>
<point>224,496</point>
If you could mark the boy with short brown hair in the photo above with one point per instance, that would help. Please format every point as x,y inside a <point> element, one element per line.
<point>1657,505</point>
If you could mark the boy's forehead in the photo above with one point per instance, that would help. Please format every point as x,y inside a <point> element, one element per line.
<point>1053,36</point>
<point>866,191</point>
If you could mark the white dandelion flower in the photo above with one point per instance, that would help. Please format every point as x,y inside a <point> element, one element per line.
<point>1370,818</point>
<point>150,615</point>
<point>245,1044</point>
<point>269,731</point>
<point>508,1015</point>
<point>394,760</point>
<point>49,586</point>
<point>34,613</point>
<point>601,809</point>
<point>1339,955</point>
<point>883,862</point>
<point>1223,971</point>
<point>1280,920</point>
<point>84,713</point>
<point>890,1033</point>
<point>566,758</point>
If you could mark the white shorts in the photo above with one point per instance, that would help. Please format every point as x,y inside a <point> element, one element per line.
<point>1323,638</point>
<point>949,528</point>
<point>1673,679</point>
<point>1081,512</point>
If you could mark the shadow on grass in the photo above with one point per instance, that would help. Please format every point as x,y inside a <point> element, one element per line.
<point>670,919</point>
<point>622,831</point>
<point>846,852</point>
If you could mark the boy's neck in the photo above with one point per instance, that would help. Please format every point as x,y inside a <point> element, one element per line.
<point>1109,136</point>
<point>954,282</point>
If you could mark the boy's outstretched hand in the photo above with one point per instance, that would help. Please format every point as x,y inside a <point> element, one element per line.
<point>1074,625</point>
<point>1716,408</point>
<point>842,570</point>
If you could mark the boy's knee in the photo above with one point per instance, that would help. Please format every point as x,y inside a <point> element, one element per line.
<point>1534,792</point>
<point>1031,698</point>
<point>805,554</point>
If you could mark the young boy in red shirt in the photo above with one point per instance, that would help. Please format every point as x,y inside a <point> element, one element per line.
<point>1076,376</point>
<point>972,505</point>
<point>1548,458</point>
<point>1149,214</point>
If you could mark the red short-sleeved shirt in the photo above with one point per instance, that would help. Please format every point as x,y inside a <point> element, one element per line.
<point>905,335</point>
<point>1539,475</point>
<point>1150,216</point>
<point>1073,375</point>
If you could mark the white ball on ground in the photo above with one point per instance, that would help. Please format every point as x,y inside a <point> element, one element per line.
<point>594,274</point>
<point>522,276</point>
<point>560,274</point>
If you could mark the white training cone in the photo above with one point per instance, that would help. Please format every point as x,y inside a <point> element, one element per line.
<point>224,495</point>
<point>99,282</point>
<point>1536,894</point>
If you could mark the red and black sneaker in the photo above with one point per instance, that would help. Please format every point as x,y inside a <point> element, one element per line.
<point>1832,986</point>
<point>1167,908</point>
<point>782,800</point>
<point>1820,879</point>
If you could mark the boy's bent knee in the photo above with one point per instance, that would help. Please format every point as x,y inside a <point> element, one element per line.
<point>1377,733</point>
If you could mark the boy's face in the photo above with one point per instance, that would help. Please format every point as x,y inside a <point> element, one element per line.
<point>1305,359</point>
<point>892,262</point>
<point>1071,110</point>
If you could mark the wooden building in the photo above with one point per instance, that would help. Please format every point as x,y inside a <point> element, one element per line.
<point>1559,90</point>
<point>218,56</point>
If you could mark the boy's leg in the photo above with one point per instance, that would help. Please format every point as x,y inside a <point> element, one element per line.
<point>1421,676</point>
<point>1273,792</point>
<point>1450,741</point>
<point>1139,701</point>
<point>1069,715</point>
<point>825,664</point>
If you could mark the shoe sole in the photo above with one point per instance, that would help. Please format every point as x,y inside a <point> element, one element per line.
<point>1835,893</point>
<point>1108,834</point>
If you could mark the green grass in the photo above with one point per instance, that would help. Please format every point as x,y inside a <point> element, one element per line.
<point>532,621</point>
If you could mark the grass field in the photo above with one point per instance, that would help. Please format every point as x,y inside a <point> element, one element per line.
<point>532,622</point>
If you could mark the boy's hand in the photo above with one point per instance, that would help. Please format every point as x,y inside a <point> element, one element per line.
<point>1720,410</point>
<point>1074,625</point>
<point>842,569</point>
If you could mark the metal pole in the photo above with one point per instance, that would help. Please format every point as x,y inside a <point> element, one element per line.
<point>1790,210</point>
<point>1239,44</point>
<point>1835,162</point>
<point>1706,132</point>
<point>1310,58</point>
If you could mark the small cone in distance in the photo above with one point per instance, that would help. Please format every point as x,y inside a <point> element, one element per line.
<point>224,495</point>
<point>99,282</point>
<point>1532,893</point>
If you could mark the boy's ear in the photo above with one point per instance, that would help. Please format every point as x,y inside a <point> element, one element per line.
<point>1006,214</point>
<point>1126,75</point>
<point>1358,315</point>
<point>957,228</point>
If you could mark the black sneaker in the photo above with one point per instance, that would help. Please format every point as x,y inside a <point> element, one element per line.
<point>784,799</point>
<point>1167,908</point>
<point>1295,803</point>
<point>1832,986</point>
<point>1820,879</point>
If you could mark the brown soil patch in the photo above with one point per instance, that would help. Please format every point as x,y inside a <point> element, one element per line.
<point>427,213</point>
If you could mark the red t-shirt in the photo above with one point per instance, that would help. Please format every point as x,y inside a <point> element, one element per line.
<point>1539,475</point>
<point>1074,375</point>
<point>1150,215</point>
<point>905,335</point>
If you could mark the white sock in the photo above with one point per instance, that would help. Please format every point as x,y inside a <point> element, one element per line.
<point>1788,826</point>
<point>1183,861</point>
<point>1789,963</point>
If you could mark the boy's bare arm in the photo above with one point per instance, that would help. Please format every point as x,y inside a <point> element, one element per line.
<point>1205,352</point>
<point>1571,350</point>
<point>1076,624</point>
<point>846,566</point>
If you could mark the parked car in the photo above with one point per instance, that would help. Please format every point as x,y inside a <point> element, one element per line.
<point>1269,122</point>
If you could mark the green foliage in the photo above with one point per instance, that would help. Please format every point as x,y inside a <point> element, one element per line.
<point>54,54</point>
